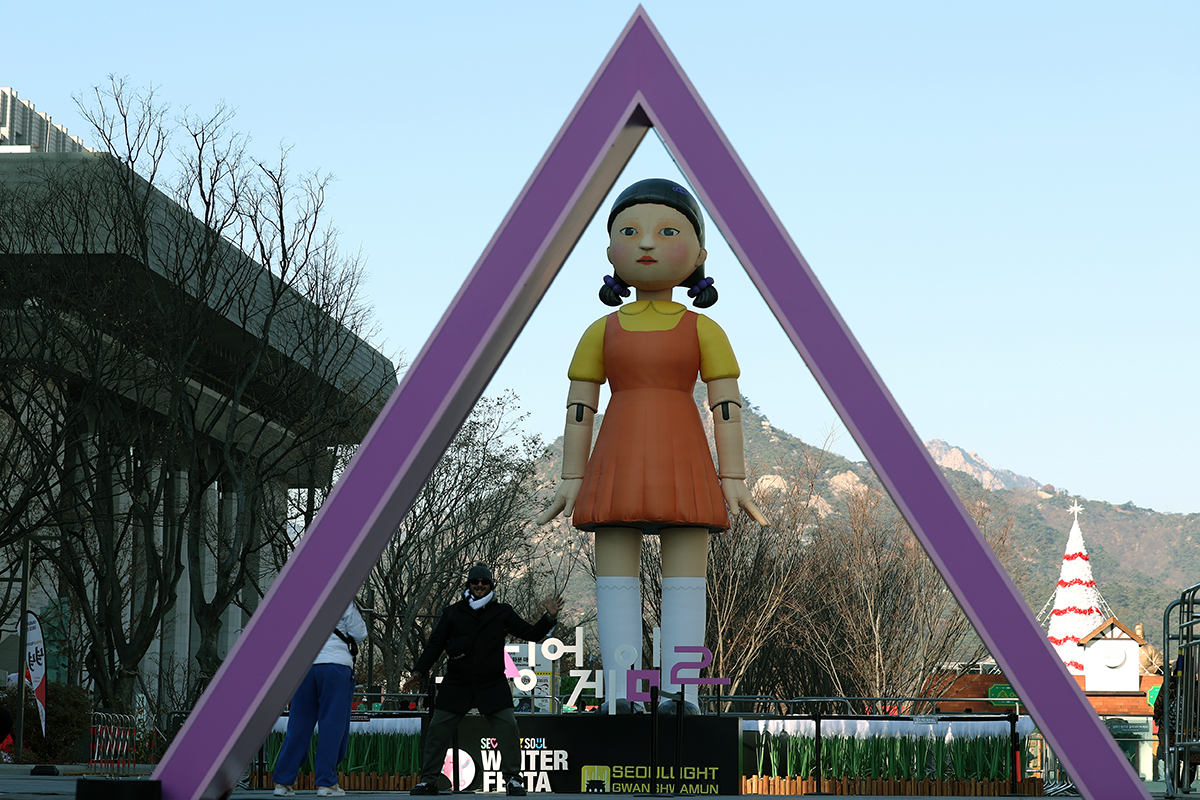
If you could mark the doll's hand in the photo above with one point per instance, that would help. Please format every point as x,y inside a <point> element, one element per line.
<point>564,500</point>
<point>737,497</point>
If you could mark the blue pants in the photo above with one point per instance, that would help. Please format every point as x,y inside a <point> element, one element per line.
<point>323,698</point>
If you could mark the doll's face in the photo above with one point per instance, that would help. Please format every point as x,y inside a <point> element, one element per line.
<point>653,247</point>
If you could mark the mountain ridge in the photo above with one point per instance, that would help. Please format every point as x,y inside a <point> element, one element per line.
<point>1142,559</point>
<point>952,457</point>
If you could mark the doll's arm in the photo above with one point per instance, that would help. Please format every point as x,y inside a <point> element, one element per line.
<point>726,403</point>
<point>583,398</point>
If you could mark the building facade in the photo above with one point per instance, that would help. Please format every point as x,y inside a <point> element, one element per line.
<point>24,128</point>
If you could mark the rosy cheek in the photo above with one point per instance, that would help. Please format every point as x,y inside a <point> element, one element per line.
<point>677,252</point>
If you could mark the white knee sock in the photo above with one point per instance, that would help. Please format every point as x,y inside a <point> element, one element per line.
<point>684,601</point>
<point>619,620</point>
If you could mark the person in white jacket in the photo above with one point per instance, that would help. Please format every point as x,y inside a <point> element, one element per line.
<point>323,699</point>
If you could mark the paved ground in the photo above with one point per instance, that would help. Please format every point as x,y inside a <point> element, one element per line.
<point>17,784</point>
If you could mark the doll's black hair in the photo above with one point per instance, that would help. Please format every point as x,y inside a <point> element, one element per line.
<point>667,193</point>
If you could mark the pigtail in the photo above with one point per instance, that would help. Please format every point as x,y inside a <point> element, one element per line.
<point>613,290</point>
<point>700,288</point>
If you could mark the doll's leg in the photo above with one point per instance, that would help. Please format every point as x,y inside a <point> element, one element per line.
<point>684,599</point>
<point>618,600</point>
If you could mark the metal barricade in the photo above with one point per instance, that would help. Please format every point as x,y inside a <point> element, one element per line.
<point>1041,760</point>
<point>759,704</point>
<point>742,704</point>
<point>391,701</point>
<point>112,751</point>
<point>1180,693</point>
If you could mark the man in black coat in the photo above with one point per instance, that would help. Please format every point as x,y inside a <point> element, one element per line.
<point>472,633</point>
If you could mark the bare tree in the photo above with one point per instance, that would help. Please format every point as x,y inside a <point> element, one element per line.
<point>476,507</point>
<point>837,597</point>
<point>298,394</point>
<point>878,617</point>
<point>82,400</point>
<point>754,576</point>
<point>191,347</point>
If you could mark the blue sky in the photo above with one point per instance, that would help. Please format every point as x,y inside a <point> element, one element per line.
<point>1000,197</point>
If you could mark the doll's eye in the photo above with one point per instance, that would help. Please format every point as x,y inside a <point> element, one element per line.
<point>669,232</point>
<point>628,231</point>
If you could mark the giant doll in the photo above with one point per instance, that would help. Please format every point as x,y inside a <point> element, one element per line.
<point>651,471</point>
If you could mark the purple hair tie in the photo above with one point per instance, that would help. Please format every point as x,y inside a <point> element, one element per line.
<point>700,286</point>
<point>621,289</point>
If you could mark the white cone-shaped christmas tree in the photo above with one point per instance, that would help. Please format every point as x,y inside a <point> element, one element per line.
<point>1077,604</point>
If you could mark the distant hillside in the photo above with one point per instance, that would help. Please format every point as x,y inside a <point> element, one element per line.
<point>1141,559</point>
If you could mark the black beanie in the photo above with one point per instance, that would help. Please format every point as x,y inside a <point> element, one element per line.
<point>480,572</point>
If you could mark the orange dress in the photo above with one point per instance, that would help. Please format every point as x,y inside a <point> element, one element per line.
<point>651,467</point>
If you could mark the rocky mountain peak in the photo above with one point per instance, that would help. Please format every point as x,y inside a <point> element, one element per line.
<point>950,457</point>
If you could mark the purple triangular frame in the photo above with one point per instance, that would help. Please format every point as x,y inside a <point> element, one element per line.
<point>639,85</point>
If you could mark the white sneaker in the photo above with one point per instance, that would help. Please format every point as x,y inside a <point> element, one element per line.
<point>330,791</point>
<point>284,791</point>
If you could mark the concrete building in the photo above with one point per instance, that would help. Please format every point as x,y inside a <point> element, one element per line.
<point>25,129</point>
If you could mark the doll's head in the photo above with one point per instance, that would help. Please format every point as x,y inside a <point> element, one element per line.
<point>661,192</point>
